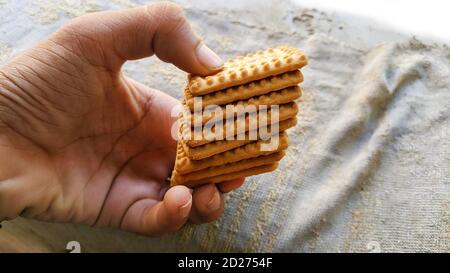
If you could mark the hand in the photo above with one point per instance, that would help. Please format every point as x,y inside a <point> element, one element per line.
<point>81,142</point>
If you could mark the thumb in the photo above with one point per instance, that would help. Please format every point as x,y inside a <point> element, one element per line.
<point>160,28</point>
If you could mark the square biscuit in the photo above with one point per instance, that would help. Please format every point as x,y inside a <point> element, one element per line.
<point>178,178</point>
<point>221,146</point>
<point>185,165</point>
<point>246,91</point>
<point>252,67</point>
<point>278,97</point>
<point>247,122</point>
<point>233,175</point>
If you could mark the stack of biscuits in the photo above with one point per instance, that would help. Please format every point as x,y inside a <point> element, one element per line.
<point>206,153</point>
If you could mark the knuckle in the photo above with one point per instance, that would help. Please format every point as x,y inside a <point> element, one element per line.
<point>166,230</point>
<point>170,14</point>
<point>210,217</point>
<point>9,203</point>
<point>77,23</point>
<point>171,10</point>
<point>173,229</point>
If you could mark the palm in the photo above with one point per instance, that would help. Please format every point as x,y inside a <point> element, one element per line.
<point>111,143</point>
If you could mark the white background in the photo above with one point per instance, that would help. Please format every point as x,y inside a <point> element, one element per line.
<point>426,18</point>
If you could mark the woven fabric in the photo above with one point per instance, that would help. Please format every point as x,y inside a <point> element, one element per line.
<point>368,167</point>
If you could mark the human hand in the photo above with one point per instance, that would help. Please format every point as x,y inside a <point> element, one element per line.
<point>81,142</point>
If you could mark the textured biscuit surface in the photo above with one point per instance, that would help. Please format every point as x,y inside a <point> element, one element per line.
<point>273,98</point>
<point>252,67</point>
<point>212,148</point>
<point>227,168</point>
<point>220,142</point>
<point>247,91</point>
<point>185,165</point>
<point>286,111</point>
<point>221,146</point>
<point>233,175</point>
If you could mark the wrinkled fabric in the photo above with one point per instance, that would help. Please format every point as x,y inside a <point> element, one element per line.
<point>368,165</point>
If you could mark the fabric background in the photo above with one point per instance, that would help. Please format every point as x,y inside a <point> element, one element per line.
<point>369,163</point>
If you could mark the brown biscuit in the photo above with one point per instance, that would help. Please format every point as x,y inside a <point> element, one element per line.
<point>221,146</point>
<point>213,148</point>
<point>185,165</point>
<point>250,68</point>
<point>286,111</point>
<point>233,175</point>
<point>178,179</point>
<point>273,98</point>
<point>246,91</point>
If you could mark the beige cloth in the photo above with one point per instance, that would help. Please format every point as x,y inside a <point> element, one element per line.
<point>369,163</point>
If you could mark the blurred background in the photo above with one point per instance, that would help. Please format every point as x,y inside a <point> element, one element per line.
<point>426,19</point>
<point>368,167</point>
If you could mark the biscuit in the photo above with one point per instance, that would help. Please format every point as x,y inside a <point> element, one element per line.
<point>252,67</point>
<point>233,175</point>
<point>286,111</point>
<point>246,91</point>
<point>184,164</point>
<point>227,168</point>
<point>221,146</point>
<point>273,98</point>
<point>267,78</point>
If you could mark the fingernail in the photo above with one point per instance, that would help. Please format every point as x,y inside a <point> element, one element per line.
<point>214,203</point>
<point>208,58</point>
<point>186,208</point>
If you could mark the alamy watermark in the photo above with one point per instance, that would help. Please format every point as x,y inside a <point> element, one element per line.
<point>73,247</point>
<point>230,122</point>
